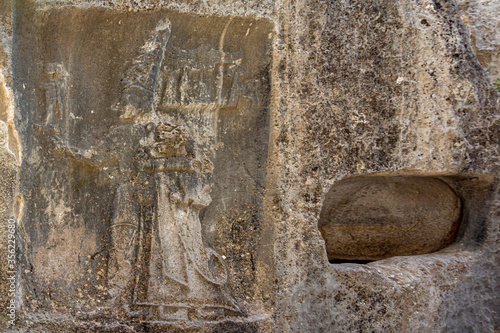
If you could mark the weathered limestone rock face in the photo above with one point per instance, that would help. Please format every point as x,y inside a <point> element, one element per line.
<point>146,135</point>
<point>8,168</point>
<point>193,166</point>
<point>379,217</point>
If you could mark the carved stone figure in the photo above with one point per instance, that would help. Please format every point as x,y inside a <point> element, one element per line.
<point>159,267</point>
<point>182,274</point>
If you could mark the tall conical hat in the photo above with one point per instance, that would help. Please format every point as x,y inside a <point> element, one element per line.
<point>143,79</point>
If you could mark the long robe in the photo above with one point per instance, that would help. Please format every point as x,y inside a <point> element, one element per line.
<point>181,272</point>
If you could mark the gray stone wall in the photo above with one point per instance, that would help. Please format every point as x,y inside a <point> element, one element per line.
<point>381,87</point>
<point>8,162</point>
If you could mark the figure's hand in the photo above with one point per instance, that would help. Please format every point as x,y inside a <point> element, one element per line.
<point>56,146</point>
<point>196,165</point>
<point>208,166</point>
<point>62,149</point>
<point>203,166</point>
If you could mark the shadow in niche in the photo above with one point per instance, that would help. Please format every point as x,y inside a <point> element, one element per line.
<point>346,261</point>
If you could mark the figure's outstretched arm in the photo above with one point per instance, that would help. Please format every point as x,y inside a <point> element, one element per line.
<point>94,156</point>
<point>82,155</point>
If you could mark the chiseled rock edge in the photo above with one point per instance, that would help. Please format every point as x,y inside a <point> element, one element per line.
<point>320,141</point>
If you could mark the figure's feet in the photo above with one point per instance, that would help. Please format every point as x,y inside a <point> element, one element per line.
<point>186,313</point>
<point>168,313</point>
<point>208,314</point>
<point>214,313</point>
<point>100,313</point>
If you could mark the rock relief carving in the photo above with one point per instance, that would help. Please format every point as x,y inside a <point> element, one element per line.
<point>159,267</point>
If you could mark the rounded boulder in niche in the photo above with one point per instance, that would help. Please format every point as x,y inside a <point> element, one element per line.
<point>372,218</point>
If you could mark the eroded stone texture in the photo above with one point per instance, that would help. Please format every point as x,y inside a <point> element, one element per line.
<point>259,8</point>
<point>8,173</point>
<point>370,218</point>
<point>8,162</point>
<point>5,34</point>
<point>389,87</point>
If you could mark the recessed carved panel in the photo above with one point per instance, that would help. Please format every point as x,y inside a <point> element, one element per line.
<point>145,139</point>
